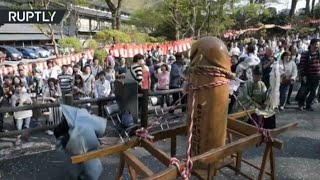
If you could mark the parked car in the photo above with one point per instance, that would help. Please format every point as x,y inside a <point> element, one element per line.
<point>28,53</point>
<point>41,52</point>
<point>12,54</point>
<point>49,48</point>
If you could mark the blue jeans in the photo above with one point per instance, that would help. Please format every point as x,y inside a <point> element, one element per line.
<point>284,88</point>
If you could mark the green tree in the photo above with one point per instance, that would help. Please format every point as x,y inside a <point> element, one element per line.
<point>100,54</point>
<point>90,44</point>
<point>110,36</point>
<point>71,42</point>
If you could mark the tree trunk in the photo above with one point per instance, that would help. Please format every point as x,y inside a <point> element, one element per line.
<point>116,13</point>
<point>62,24</point>
<point>251,1</point>
<point>293,7</point>
<point>193,18</point>
<point>312,8</point>
<point>307,10</point>
<point>177,29</point>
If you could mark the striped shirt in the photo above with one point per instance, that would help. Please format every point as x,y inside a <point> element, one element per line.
<point>310,64</point>
<point>136,72</point>
<point>65,82</point>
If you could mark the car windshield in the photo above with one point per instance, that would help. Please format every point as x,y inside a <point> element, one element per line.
<point>12,50</point>
<point>29,50</point>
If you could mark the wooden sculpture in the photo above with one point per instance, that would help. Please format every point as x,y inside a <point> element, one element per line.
<point>209,58</point>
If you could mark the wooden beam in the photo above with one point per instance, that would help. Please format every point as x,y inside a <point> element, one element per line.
<point>163,157</point>
<point>132,172</point>
<point>136,164</point>
<point>105,151</point>
<point>240,114</point>
<point>159,135</point>
<point>215,154</point>
<point>240,127</point>
<point>171,173</point>
<point>120,168</point>
<point>173,145</point>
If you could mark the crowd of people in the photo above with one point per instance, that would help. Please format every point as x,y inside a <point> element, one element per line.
<point>253,61</point>
<point>294,58</point>
<point>87,78</point>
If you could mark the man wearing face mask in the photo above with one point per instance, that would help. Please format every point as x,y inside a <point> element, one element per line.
<point>309,68</point>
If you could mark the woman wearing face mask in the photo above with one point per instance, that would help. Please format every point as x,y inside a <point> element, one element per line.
<point>52,94</point>
<point>295,57</point>
<point>88,81</point>
<point>20,98</point>
<point>78,88</point>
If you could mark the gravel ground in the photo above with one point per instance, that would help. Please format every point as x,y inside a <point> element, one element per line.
<point>300,158</point>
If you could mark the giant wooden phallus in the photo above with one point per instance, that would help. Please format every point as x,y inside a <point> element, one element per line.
<point>211,102</point>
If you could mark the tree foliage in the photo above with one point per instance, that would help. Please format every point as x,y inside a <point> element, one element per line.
<point>90,44</point>
<point>100,54</point>
<point>110,36</point>
<point>71,42</point>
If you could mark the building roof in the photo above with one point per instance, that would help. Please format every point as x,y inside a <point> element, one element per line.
<point>19,28</point>
<point>97,13</point>
<point>24,37</point>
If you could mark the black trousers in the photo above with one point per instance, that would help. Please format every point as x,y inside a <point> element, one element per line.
<point>308,92</point>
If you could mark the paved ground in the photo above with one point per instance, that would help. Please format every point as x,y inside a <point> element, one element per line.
<point>299,160</point>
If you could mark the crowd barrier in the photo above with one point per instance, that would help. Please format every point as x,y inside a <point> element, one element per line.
<point>75,103</point>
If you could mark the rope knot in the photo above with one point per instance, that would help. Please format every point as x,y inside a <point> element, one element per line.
<point>182,170</point>
<point>266,135</point>
<point>144,133</point>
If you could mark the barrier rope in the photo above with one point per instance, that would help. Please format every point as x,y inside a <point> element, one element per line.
<point>212,71</point>
<point>264,132</point>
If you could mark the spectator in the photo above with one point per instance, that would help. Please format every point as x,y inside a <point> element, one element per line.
<point>253,95</point>
<point>17,81</point>
<point>163,83</point>
<point>103,89</point>
<point>88,81</point>
<point>52,94</point>
<point>176,78</point>
<point>288,72</point>
<point>156,54</point>
<point>76,70</point>
<point>78,88</point>
<point>96,68</point>
<point>20,98</point>
<point>121,70</point>
<point>109,61</point>
<point>5,95</point>
<point>50,72</point>
<point>70,67</point>
<point>245,68</point>
<point>82,61</point>
<point>309,68</point>
<point>266,63</point>
<point>135,72</point>
<point>295,57</point>
<point>65,81</point>
<point>235,51</point>
<point>57,68</point>
<point>110,76</point>
<point>26,81</point>
<point>152,75</point>
<point>37,75</point>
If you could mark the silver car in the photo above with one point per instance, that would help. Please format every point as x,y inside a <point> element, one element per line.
<point>42,52</point>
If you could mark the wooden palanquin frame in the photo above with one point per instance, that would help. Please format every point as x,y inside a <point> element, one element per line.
<point>229,155</point>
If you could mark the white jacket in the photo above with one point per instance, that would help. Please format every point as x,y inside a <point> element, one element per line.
<point>288,69</point>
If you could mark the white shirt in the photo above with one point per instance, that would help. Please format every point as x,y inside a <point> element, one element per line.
<point>235,51</point>
<point>50,73</point>
<point>102,89</point>
<point>288,69</point>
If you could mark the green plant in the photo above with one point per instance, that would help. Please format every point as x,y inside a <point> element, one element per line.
<point>90,44</point>
<point>100,54</point>
<point>108,36</point>
<point>71,42</point>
